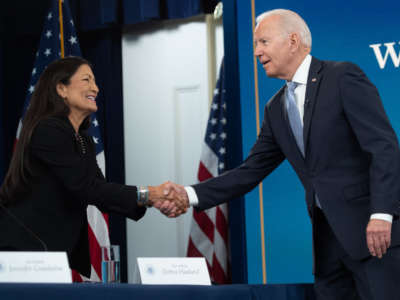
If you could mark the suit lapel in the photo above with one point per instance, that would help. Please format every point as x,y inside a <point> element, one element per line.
<point>313,82</point>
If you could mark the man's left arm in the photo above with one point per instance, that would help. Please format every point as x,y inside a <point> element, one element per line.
<point>365,112</point>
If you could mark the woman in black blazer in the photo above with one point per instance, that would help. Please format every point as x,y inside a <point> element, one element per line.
<point>54,176</point>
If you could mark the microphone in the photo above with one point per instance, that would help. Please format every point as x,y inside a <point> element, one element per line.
<point>21,224</point>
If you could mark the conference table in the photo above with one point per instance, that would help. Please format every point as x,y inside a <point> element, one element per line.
<point>98,291</point>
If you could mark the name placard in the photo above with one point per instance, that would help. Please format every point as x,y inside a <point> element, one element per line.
<point>173,270</point>
<point>49,267</point>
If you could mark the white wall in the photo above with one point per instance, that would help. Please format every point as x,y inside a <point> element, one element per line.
<point>165,114</point>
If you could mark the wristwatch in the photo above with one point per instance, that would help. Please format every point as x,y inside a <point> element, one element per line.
<point>143,196</point>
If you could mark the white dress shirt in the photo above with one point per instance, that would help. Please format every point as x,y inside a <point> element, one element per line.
<point>300,77</point>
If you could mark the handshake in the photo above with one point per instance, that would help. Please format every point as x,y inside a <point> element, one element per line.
<point>170,198</point>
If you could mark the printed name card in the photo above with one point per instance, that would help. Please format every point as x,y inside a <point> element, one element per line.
<point>173,270</point>
<point>49,267</point>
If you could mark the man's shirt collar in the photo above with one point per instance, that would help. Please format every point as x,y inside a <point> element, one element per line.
<point>301,74</point>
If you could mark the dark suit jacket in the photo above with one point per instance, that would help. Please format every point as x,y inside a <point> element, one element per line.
<point>66,180</point>
<point>352,158</point>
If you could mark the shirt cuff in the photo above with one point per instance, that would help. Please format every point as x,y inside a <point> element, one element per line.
<point>384,217</point>
<point>193,200</point>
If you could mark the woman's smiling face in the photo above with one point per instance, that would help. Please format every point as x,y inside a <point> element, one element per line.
<point>81,92</point>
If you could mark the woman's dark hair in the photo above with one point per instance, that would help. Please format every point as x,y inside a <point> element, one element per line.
<point>45,102</point>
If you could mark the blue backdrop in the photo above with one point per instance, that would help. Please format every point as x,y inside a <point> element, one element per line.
<point>342,30</point>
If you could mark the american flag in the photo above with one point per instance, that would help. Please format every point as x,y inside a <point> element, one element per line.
<point>209,230</point>
<point>57,29</point>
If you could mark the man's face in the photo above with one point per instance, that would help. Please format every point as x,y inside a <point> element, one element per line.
<point>273,48</point>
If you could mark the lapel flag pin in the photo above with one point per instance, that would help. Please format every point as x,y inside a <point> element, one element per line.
<point>314,79</point>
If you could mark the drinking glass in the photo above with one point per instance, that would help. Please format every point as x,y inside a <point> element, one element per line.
<point>110,264</point>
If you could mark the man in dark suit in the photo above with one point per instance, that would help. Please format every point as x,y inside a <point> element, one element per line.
<point>329,123</point>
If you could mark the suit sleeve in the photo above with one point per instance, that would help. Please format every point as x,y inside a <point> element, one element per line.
<point>364,110</point>
<point>54,146</point>
<point>264,157</point>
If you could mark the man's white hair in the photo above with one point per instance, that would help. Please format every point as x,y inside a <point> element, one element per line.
<point>291,22</point>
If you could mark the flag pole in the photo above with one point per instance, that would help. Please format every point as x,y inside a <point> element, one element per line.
<point>260,185</point>
<point>61,27</point>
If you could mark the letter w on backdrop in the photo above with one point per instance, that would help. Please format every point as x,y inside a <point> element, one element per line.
<point>390,51</point>
<point>57,41</point>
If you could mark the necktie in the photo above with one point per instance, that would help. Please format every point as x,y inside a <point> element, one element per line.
<point>295,121</point>
<point>294,115</point>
